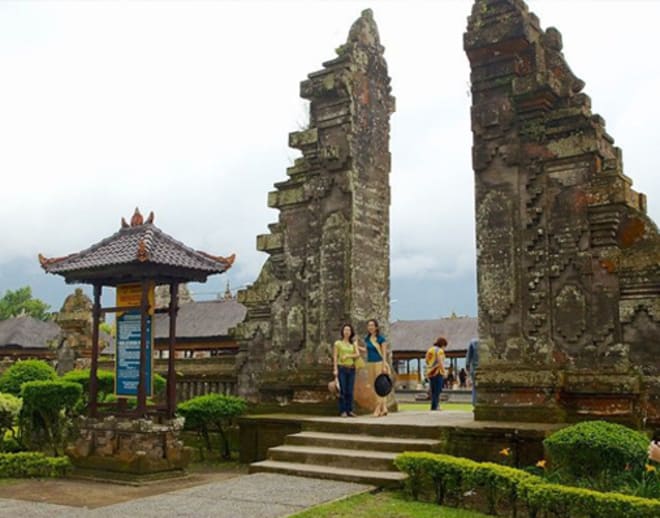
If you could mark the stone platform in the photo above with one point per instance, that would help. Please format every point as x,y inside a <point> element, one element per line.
<point>362,449</point>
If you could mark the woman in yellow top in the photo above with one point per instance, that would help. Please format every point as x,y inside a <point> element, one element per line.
<point>345,351</point>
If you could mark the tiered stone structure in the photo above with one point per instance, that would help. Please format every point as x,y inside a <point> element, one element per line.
<point>568,261</point>
<point>75,319</point>
<point>329,251</point>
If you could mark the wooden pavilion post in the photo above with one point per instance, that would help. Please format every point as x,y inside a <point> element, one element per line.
<point>142,384</point>
<point>171,373</point>
<point>93,373</point>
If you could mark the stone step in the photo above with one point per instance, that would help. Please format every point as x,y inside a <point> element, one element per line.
<point>334,457</point>
<point>371,427</point>
<point>390,479</point>
<point>362,442</point>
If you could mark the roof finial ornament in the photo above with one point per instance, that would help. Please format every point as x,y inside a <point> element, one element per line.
<point>137,218</point>
<point>142,252</point>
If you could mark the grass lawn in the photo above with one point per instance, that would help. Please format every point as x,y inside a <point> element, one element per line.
<point>384,505</point>
<point>463,407</point>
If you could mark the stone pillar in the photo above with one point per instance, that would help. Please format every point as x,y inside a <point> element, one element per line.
<point>329,250</point>
<point>567,260</point>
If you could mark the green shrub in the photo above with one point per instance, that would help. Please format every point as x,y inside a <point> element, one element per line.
<point>106,382</point>
<point>10,407</point>
<point>597,451</point>
<point>106,386</point>
<point>212,412</point>
<point>22,371</point>
<point>502,484</point>
<point>560,500</point>
<point>32,464</point>
<point>47,412</point>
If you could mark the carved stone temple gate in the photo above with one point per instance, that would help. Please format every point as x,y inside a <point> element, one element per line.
<point>568,261</point>
<point>329,250</point>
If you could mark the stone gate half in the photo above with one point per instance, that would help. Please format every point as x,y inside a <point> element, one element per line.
<point>568,262</point>
<point>329,250</point>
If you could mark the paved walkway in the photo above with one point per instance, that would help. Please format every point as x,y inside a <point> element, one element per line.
<point>262,495</point>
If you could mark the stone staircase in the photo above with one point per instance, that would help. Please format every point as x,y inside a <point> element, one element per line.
<point>342,455</point>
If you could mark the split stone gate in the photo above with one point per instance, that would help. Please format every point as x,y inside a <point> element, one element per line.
<point>568,262</point>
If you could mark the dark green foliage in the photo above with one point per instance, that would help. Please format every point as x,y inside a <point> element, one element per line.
<point>457,477</point>
<point>14,303</point>
<point>48,408</point>
<point>22,371</point>
<point>10,407</point>
<point>160,385</point>
<point>106,385</point>
<point>212,412</point>
<point>597,451</point>
<point>32,464</point>
<point>106,382</point>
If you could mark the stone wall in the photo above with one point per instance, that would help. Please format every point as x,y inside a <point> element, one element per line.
<point>567,259</point>
<point>329,250</point>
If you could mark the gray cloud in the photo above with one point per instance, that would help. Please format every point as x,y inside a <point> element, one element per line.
<point>185,108</point>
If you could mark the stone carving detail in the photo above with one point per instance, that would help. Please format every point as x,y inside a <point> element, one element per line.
<point>495,255</point>
<point>585,257</point>
<point>571,313</point>
<point>334,212</point>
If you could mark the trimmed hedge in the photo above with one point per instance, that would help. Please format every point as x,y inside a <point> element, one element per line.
<point>23,371</point>
<point>10,407</point>
<point>106,383</point>
<point>47,410</point>
<point>32,464</point>
<point>594,449</point>
<point>212,412</point>
<point>452,477</point>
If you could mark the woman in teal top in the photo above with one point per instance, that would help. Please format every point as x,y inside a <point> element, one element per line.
<point>376,361</point>
<point>345,351</point>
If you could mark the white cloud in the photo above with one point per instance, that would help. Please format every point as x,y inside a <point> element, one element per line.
<point>184,109</point>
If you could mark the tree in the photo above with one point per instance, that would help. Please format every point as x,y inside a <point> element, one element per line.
<point>20,301</point>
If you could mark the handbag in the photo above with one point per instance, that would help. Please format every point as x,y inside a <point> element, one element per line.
<point>333,387</point>
<point>360,363</point>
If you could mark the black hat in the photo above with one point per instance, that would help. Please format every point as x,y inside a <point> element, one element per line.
<point>383,385</point>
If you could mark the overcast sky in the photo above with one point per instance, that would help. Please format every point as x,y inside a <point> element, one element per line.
<point>184,108</point>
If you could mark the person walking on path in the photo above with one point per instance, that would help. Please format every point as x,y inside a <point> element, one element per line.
<point>435,370</point>
<point>345,352</point>
<point>471,364</point>
<point>462,378</point>
<point>376,361</point>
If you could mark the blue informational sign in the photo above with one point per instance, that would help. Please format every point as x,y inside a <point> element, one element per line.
<point>128,354</point>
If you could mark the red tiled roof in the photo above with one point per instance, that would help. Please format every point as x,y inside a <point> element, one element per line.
<point>135,245</point>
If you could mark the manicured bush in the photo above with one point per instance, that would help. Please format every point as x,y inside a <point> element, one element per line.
<point>10,407</point>
<point>32,464</point>
<point>22,371</point>
<point>596,450</point>
<point>212,412</point>
<point>106,386</point>
<point>502,484</point>
<point>106,382</point>
<point>46,417</point>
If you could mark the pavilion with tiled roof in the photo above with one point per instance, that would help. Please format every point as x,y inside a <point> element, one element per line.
<point>138,253</point>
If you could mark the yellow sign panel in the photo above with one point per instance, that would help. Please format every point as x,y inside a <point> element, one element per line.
<point>131,295</point>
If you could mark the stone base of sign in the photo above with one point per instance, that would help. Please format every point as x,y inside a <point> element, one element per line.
<point>129,449</point>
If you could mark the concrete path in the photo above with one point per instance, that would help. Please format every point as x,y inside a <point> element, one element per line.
<point>262,495</point>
